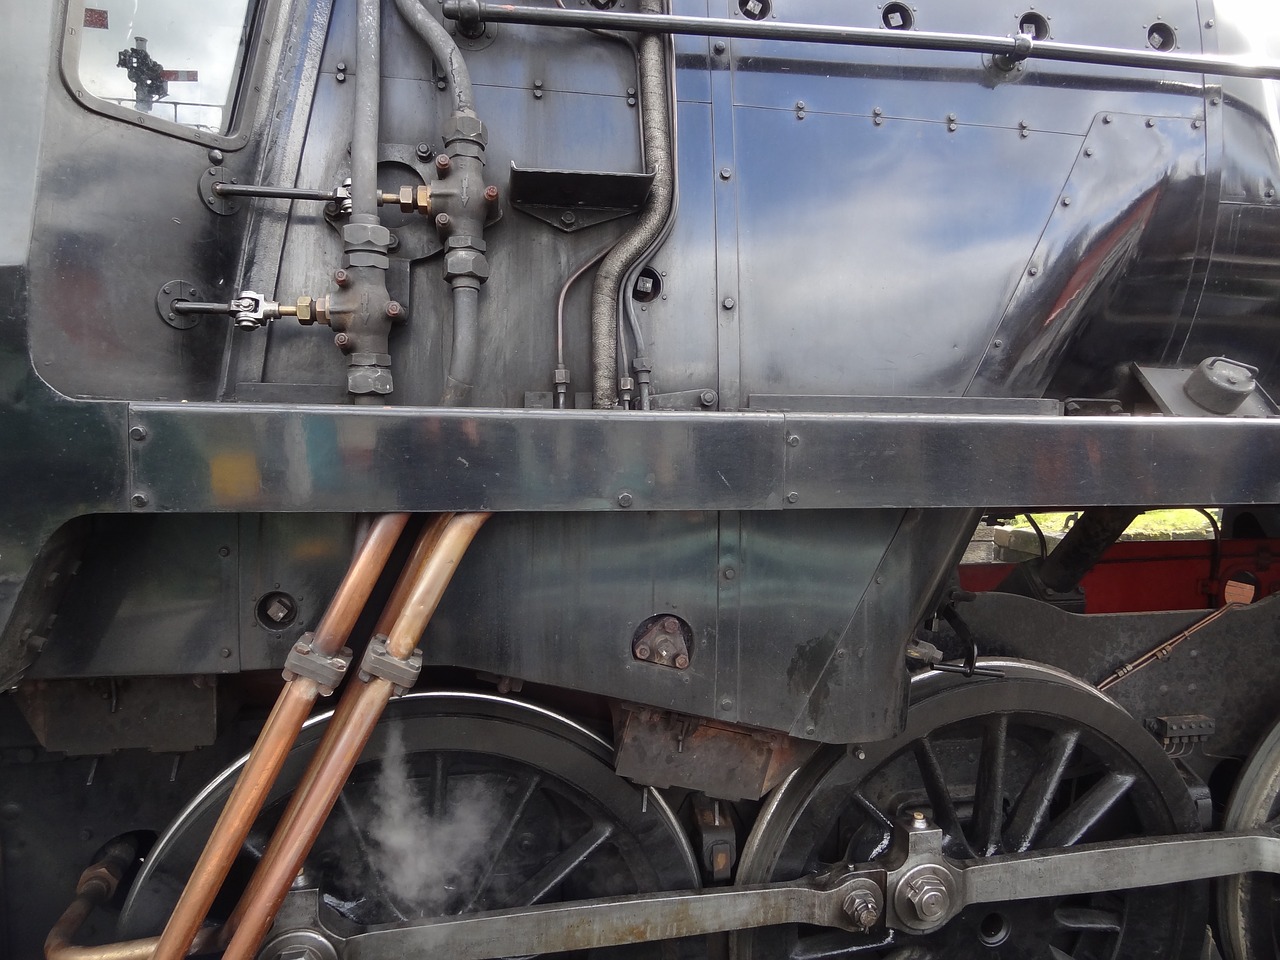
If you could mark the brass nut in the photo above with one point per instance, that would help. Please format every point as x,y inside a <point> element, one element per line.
<point>320,307</point>
<point>304,310</point>
<point>423,199</point>
<point>406,199</point>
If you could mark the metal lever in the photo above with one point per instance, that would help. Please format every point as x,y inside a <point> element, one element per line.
<point>835,899</point>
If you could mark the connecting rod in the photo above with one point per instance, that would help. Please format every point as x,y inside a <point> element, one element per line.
<point>274,743</point>
<point>362,705</point>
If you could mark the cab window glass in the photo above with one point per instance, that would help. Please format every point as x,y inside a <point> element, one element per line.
<point>170,59</point>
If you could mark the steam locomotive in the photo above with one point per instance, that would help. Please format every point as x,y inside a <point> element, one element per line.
<point>492,479</point>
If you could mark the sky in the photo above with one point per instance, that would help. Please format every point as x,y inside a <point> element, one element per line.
<point>204,37</point>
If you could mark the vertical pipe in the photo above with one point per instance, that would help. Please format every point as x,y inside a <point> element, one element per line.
<point>466,344</point>
<point>651,65</point>
<point>364,133</point>
<point>274,743</point>
<point>342,745</point>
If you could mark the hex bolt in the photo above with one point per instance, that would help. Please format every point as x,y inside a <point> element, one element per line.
<point>341,341</point>
<point>670,624</point>
<point>792,497</point>
<point>424,152</point>
<point>443,164</point>
<point>139,500</point>
<point>491,193</point>
<point>725,173</point>
<point>341,277</point>
<point>625,500</point>
<point>793,441</point>
<point>928,895</point>
<point>394,309</point>
<point>642,652</point>
<point>442,221</point>
<point>682,662</point>
<point>568,218</point>
<point>707,398</point>
<point>719,46</point>
<point>728,303</point>
<point>137,433</point>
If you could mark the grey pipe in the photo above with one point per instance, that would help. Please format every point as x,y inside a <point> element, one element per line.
<point>651,64</point>
<point>444,49</point>
<point>466,345</point>
<point>364,133</point>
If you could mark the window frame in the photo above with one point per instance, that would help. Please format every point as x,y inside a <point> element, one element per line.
<point>248,82</point>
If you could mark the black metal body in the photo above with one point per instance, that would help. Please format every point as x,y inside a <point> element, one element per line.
<point>884,268</point>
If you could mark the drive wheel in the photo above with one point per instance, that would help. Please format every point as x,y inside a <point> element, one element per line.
<point>461,802</point>
<point>1035,760</point>
<point>1248,919</point>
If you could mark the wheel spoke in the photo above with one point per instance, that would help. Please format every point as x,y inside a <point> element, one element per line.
<point>1087,918</point>
<point>1033,805</point>
<point>554,873</point>
<point>440,787</point>
<point>502,839</point>
<point>989,803</point>
<point>1072,824</point>
<point>388,895</point>
<point>944,811</point>
<point>876,816</point>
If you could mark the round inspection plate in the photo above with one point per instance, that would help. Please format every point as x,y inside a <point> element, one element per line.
<point>170,293</point>
<point>223,206</point>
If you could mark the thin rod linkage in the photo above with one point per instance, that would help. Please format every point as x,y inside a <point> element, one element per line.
<point>192,306</point>
<point>1020,47</point>
<point>278,193</point>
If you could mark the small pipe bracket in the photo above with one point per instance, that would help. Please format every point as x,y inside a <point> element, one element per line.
<point>305,660</point>
<point>377,662</point>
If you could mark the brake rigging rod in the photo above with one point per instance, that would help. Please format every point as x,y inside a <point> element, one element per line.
<point>390,666</point>
<point>317,660</point>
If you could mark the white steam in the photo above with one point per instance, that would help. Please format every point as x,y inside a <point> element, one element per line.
<point>430,860</point>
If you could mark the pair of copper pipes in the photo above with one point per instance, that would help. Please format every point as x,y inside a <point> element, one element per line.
<point>413,601</point>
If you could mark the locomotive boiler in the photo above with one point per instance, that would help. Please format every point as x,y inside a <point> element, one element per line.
<point>493,479</point>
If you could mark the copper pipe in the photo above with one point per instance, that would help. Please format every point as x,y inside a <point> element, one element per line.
<point>274,743</point>
<point>343,744</point>
<point>422,550</point>
<point>425,545</point>
<point>431,584</point>
<point>287,851</point>
<point>97,885</point>
<point>353,593</point>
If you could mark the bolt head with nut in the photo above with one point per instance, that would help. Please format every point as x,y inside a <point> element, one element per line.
<point>928,896</point>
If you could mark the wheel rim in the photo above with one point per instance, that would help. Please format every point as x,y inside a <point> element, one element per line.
<point>508,803</point>
<point>1247,915</point>
<point>1033,761</point>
